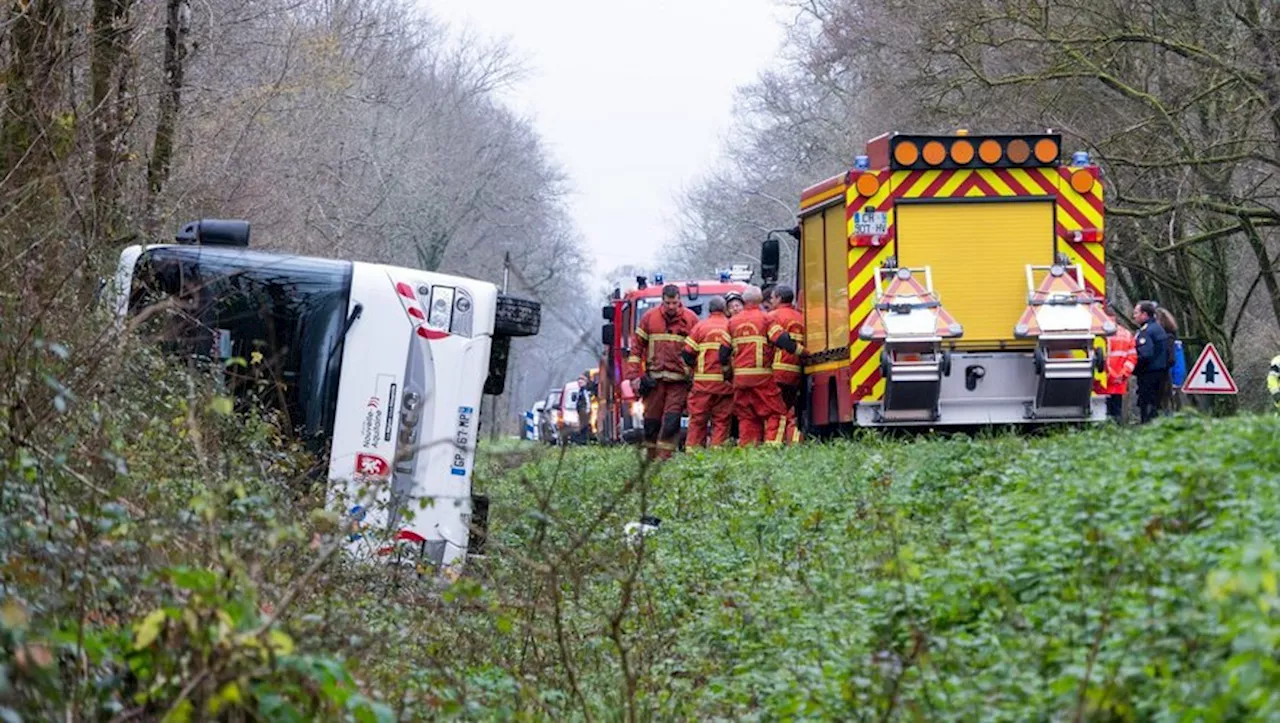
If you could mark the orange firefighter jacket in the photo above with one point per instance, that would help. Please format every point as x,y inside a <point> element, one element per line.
<point>657,343</point>
<point>786,364</point>
<point>1122,357</point>
<point>702,352</point>
<point>750,351</point>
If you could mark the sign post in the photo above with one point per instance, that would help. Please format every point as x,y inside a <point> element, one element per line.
<point>1209,375</point>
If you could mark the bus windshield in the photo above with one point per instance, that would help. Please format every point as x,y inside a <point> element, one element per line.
<point>269,325</point>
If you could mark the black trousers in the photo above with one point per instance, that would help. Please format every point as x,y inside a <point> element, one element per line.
<point>1149,385</point>
<point>1115,406</point>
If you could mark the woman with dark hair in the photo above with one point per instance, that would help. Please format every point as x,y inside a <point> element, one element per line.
<point>1171,390</point>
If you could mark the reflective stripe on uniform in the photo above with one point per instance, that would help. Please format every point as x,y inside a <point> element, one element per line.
<point>759,341</point>
<point>655,338</point>
<point>670,376</point>
<point>759,371</point>
<point>708,377</point>
<point>784,367</point>
<point>782,433</point>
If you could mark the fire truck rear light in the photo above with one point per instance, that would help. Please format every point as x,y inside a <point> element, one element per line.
<point>867,185</point>
<point>962,152</point>
<point>990,151</point>
<point>1085,236</point>
<point>1018,151</point>
<point>906,153</point>
<point>1082,180</point>
<point>1046,150</point>
<point>934,153</point>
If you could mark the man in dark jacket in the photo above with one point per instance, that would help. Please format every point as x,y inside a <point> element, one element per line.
<point>1153,355</point>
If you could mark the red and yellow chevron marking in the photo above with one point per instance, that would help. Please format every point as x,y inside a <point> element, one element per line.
<point>864,355</point>
<point>1078,218</point>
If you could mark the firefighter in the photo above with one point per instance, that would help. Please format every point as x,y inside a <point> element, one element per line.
<point>788,323</point>
<point>756,399</point>
<point>733,304</point>
<point>658,371</point>
<point>1153,360</point>
<point>711,400</point>
<point>1122,357</point>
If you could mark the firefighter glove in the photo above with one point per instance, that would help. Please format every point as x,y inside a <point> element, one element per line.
<point>646,385</point>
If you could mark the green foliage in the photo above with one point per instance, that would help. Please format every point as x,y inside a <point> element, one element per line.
<point>163,557</point>
<point>1115,574</point>
<point>145,536</point>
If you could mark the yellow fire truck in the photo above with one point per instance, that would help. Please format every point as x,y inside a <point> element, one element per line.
<point>952,280</point>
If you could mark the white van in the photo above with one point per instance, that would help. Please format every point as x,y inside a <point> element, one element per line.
<point>380,369</point>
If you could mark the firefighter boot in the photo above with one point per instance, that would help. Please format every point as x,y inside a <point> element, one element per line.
<point>651,429</point>
<point>669,436</point>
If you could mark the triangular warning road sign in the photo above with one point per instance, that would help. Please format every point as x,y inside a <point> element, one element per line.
<point>1209,375</point>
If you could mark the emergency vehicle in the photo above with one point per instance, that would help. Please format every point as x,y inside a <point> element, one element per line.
<point>379,369</point>
<point>952,280</point>
<point>620,412</point>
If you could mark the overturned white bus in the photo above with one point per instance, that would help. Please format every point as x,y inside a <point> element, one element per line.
<point>379,369</point>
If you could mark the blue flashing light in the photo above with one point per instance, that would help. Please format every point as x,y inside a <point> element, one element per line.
<point>724,277</point>
<point>657,278</point>
<point>1080,158</point>
<point>861,163</point>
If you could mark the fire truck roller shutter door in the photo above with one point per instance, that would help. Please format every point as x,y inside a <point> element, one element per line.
<point>815,284</point>
<point>978,253</point>
<point>837,248</point>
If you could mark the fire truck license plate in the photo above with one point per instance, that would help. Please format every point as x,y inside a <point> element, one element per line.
<point>870,223</point>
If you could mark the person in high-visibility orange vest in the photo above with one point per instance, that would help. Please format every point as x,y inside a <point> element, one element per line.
<point>786,363</point>
<point>1122,358</point>
<point>658,371</point>
<point>711,399</point>
<point>757,402</point>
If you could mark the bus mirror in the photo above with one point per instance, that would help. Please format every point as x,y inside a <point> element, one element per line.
<point>606,335</point>
<point>606,312</point>
<point>499,353</point>
<point>769,263</point>
<point>215,232</point>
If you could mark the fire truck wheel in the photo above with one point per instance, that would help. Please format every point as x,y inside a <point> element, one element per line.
<point>1099,361</point>
<point>1039,357</point>
<point>886,366</point>
<point>946,363</point>
<point>516,317</point>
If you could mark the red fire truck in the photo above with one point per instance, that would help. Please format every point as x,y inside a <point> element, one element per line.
<point>620,415</point>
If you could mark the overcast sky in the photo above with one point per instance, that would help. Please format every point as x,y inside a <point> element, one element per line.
<point>632,97</point>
